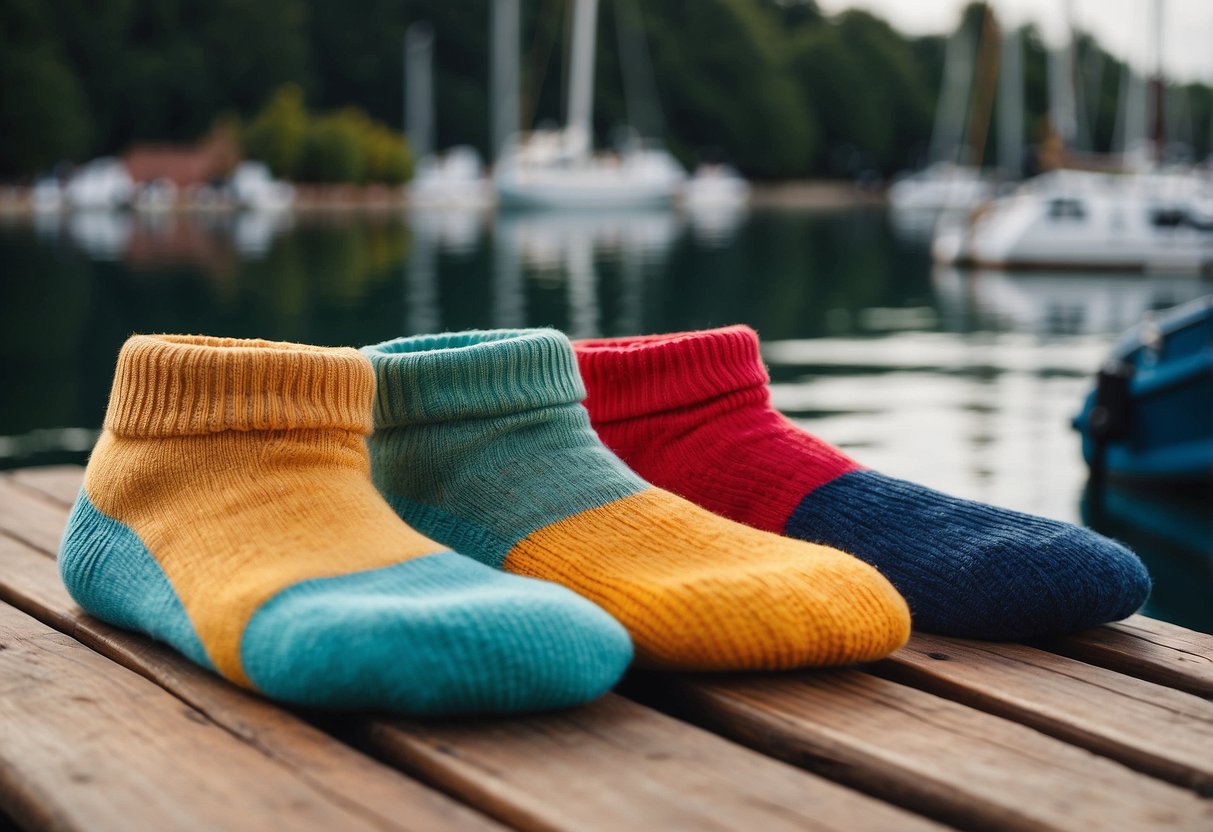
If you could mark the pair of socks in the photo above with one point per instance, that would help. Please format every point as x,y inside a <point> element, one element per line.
<point>228,509</point>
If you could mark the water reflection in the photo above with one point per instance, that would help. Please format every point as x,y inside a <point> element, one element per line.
<point>568,248</point>
<point>152,239</point>
<point>1057,303</point>
<point>1173,534</point>
<point>715,225</point>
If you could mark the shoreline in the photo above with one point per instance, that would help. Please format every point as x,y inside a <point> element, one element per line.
<point>808,194</point>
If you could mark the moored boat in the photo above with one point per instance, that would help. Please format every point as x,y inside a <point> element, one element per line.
<point>1151,413</point>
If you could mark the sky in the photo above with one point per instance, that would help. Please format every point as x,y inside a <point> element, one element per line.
<point>1122,26</point>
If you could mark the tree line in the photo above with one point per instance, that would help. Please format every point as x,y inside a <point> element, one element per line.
<point>775,87</point>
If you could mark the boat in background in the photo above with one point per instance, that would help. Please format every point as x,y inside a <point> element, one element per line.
<point>940,187</point>
<point>558,169</point>
<point>450,180</point>
<point>46,196</point>
<point>715,186</point>
<point>254,188</point>
<point>454,179</point>
<point>1128,210</point>
<point>1070,219</point>
<point>552,169</point>
<point>102,184</point>
<point>1150,415</point>
<point>954,182</point>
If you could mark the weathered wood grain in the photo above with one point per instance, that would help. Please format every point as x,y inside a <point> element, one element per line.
<point>60,483</point>
<point>617,765</point>
<point>1160,731</point>
<point>937,757</point>
<point>1148,649</point>
<point>606,778</point>
<point>91,745</point>
<point>31,517</point>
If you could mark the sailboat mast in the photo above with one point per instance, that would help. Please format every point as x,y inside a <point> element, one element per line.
<point>1157,119</point>
<point>581,78</point>
<point>505,61</point>
<point>1062,107</point>
<point>984,79</point>
<point>947,137</point>
<point>1010,104</point>
<point>419,89</point>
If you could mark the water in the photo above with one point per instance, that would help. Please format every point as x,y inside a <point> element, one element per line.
<point>965,382</point>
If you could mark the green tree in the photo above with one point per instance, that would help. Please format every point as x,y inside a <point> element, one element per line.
<point>43,113</point>
<point>333,150</point>
<point>43,118</point>
<point>387,155</point>
<point>724,79</point>
<point>277,134</point>
<point>774,86</point>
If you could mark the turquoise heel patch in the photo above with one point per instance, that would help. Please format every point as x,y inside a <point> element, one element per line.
<point>439,634</point>
<point>112,575</point>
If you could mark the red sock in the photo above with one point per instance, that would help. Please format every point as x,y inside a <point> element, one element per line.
<point>691,412</point>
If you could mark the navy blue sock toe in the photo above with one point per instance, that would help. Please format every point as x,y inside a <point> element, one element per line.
<point>972,570</point>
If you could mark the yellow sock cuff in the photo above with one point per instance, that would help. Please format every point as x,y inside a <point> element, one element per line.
<point>189,385</point>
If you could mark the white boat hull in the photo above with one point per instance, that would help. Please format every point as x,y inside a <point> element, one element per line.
<point>580,194</point>
<point>1085,223</point>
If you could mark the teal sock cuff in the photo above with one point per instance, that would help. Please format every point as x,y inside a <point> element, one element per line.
<point>470,375</point>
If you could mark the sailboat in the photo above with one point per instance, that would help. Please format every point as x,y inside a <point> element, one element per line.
<point>559,168</point>
<point>950,183</point>
<point>1071,219</point>
<point>1152,220</point>
<point>452,180</point>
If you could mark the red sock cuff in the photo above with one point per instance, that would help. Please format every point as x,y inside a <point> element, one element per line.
<point>628,377</point>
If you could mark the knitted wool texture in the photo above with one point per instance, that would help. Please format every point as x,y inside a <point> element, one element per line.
<point>228,510</point>
<point>481,442</point>
<point>691,412</point>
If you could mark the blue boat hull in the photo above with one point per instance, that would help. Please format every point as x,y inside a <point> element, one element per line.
<point>1168,423</point>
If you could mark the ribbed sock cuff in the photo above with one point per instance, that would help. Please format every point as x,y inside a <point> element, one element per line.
<point>470,375</point>
<point>182,385</point>
<point>628,377</point>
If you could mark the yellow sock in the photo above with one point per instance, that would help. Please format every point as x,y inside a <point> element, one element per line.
<point>228,510</point>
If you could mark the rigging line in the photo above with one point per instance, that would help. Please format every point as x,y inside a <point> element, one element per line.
<point>566,59</point>
<point>1092,63</point>
<point>641,99</point>
<point>952,105</point>
<point>529,106</point>
<point>985,77</point>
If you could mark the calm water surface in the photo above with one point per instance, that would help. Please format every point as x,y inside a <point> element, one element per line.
<point>963,381</point>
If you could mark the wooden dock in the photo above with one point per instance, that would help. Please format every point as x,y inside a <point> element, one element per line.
<point>101,729</point>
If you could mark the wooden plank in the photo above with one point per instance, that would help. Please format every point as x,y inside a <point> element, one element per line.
<point>1148,649</point>
<point>33,518</point>
<point>60,483</point>
<point>605,778</point>
<point>1163,732</point>
<point>617,765</point>
<point>90,745</point>
<point>931,755</point>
